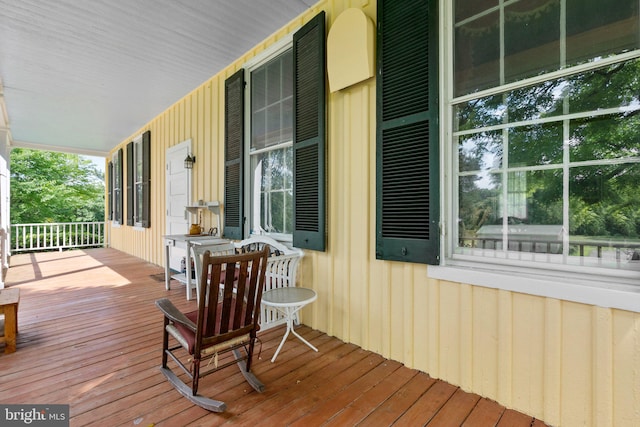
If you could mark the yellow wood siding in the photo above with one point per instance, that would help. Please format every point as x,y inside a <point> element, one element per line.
<point>565,363</point>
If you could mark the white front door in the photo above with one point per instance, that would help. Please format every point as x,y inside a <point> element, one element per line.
<point>178,196</point>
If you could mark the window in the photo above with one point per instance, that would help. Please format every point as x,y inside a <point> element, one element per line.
<point>270,184</point>
<point>280,181</point>
<point>115,188</point>
<point>545,147</point>
<point>138,180</point>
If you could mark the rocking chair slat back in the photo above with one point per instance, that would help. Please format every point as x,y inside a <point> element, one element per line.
<point>227,319</point>
<point>233,286</point>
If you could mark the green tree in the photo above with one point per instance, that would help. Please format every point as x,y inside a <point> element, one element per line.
<point>54,187</point>
<point>604,174</point>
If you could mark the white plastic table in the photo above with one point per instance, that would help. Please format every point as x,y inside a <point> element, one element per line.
<point>289,301</point>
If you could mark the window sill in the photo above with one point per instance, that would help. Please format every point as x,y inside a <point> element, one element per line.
<point>568,287</point>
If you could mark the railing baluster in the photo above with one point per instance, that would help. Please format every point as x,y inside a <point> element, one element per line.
<point>49,236</point>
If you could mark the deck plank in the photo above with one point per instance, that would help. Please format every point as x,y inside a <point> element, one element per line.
<point>90,336</point>
<point>486,413</point>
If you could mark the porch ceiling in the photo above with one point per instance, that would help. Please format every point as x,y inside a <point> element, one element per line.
<point>82,76</point>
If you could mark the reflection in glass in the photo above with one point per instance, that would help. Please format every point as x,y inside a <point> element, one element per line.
<point>573,94</point>
<point>532,145</point>
<point>477,54</point>
<point>467,8</point>
<point>600,28</point>
<point>139,201</point>
<point>478,207</point>
<point>486,111</point>
<point>272,189</point>
<point>605,137</point>
<point>531,33</point>
<point>531,38</point>
<point>547,172</point>
<point>481,151</point>
<point>604,223</point>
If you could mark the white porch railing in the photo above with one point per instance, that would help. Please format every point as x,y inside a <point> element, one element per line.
<point>57,235</point>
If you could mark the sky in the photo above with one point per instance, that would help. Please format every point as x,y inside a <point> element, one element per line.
<point>98,161</point>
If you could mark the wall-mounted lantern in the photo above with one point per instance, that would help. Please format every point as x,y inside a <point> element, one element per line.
<point>189,161</point>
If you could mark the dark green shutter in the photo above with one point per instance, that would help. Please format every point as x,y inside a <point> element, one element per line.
<point>233,156</point>
<point>120,196</point>
<point>145,219</point>
<point>130,182</point>
<point>309,155</point>
<point>110,203</point>
<point>407,154</point>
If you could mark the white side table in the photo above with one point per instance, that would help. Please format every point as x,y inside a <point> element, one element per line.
<point>289,301</point>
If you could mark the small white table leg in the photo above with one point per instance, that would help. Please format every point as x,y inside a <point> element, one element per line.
<point>289,313</point>
<point>167,270</point>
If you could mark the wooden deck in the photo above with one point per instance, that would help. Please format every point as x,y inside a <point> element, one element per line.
<point>90,336</point>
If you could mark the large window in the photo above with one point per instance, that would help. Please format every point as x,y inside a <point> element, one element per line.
<point>138,181</point>
<point>115,188</point>
<point>274,162</point>
<point>270,146</point>
<point>546,134</point>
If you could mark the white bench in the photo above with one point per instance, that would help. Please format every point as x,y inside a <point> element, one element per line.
<point>282,269</point>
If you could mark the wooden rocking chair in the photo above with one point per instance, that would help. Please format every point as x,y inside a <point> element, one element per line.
<point>230,289</point>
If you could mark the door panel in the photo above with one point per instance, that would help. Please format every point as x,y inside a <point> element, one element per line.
<point>178,196</point>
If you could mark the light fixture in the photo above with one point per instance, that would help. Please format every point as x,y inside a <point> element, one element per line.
<point>189,161</point>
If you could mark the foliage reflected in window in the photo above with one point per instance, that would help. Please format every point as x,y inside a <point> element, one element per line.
<point>270,150</point>
<point>548,172</point>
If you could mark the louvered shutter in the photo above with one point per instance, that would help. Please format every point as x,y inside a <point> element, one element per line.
<point>309,46</point>
<point>407,214</point>
<point>145,218</point>
<point>233,156</point>
<point>130,183</point>
<point>110,202</point>
<point>120,196</point>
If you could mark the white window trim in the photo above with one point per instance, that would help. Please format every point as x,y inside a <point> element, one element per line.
<point>137,141</point>
<point>604,290</point>
<point>569,287</point>
<point>259,60</point>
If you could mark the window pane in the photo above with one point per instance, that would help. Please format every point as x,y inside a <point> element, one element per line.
<point>531,38</point>
<point>477,54</point>
<point>272,191</point>
<point>535,37</point>
<point>468,8</point>
<point>613,136</point>
<point>271,103</point>
<point>480,152</point>
<point>479,219</point>
<point>480,112</point>
<point>138,211</point>
<point>605,214</point>
<point>597,28</point>
<point>259,129</point>
<point>274,124</point>
<point>138,156</point>
<point>258,89</point>
<point>573,94</point>
<point>535,145</point>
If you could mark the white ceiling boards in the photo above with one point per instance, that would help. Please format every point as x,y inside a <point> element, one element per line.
<point>81,76</point>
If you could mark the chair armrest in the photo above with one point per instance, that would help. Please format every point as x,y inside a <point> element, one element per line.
<point>172,313</point>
